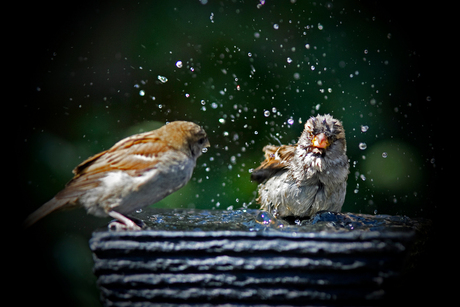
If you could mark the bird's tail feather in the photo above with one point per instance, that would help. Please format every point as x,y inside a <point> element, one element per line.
<point>41,212</point>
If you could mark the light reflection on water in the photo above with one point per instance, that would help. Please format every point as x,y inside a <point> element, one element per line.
<point>256,220</point>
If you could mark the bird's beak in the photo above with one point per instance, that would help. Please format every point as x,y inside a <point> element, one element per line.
<point>320,141</point>
<point>207,144</point>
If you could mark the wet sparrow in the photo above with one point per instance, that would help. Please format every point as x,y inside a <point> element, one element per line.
<point>310,176</point>
<point>137,171</point>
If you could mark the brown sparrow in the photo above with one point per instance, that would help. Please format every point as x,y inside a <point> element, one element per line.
<point>137,171</point>
<point>310,176</point>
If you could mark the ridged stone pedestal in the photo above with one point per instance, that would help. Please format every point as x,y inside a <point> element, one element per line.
<point>244,257</point>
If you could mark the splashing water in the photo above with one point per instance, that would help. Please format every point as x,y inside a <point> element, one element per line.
<point>294,61</point>
<point>162,79</point>
<point>256,220</point>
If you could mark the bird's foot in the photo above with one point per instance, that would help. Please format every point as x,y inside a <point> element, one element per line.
<point>123,223</point>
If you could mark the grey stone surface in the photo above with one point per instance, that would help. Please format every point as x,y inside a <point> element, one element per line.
<point>244,257</point>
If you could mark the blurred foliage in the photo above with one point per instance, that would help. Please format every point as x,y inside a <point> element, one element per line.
<point>245,70</point>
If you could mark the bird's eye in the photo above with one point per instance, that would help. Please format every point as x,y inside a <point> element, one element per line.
<point>201,141</point>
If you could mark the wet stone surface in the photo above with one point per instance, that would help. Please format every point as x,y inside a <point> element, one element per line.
<point>247,257</point>
<point>259,221</point>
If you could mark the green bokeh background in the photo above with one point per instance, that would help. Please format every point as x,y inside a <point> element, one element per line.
<point>92,78</point>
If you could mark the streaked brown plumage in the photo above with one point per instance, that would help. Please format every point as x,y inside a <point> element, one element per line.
<point>310,176</point>
<point>137,171</point>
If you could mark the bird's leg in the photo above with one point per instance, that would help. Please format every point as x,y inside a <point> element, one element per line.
<point>122,222</point>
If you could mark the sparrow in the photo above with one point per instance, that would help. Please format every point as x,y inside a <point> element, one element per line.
<point>310,176</point>
<point>135,172</point>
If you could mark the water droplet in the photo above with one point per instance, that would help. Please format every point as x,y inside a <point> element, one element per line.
<point>179,64</point>
<point>362,146</point>
<point>141,93</point>
<point>261,2</point>
<point>290,121</point>
<point>214,105</point>
<point>204,150</point>
<point>307,46</point>
<point>384,154</point>
<point>221,120</point>
<point>363,178</point>
<point>276,26</point>
<point>364,128</point>
<point>162,79</point>
<point>266,113</point>
<point>289,60</point>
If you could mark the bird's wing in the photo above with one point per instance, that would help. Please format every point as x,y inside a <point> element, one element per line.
<point>132,155</point>
<point>277,158</point>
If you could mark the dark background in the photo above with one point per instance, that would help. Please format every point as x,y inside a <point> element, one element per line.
<point>88,76</point>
